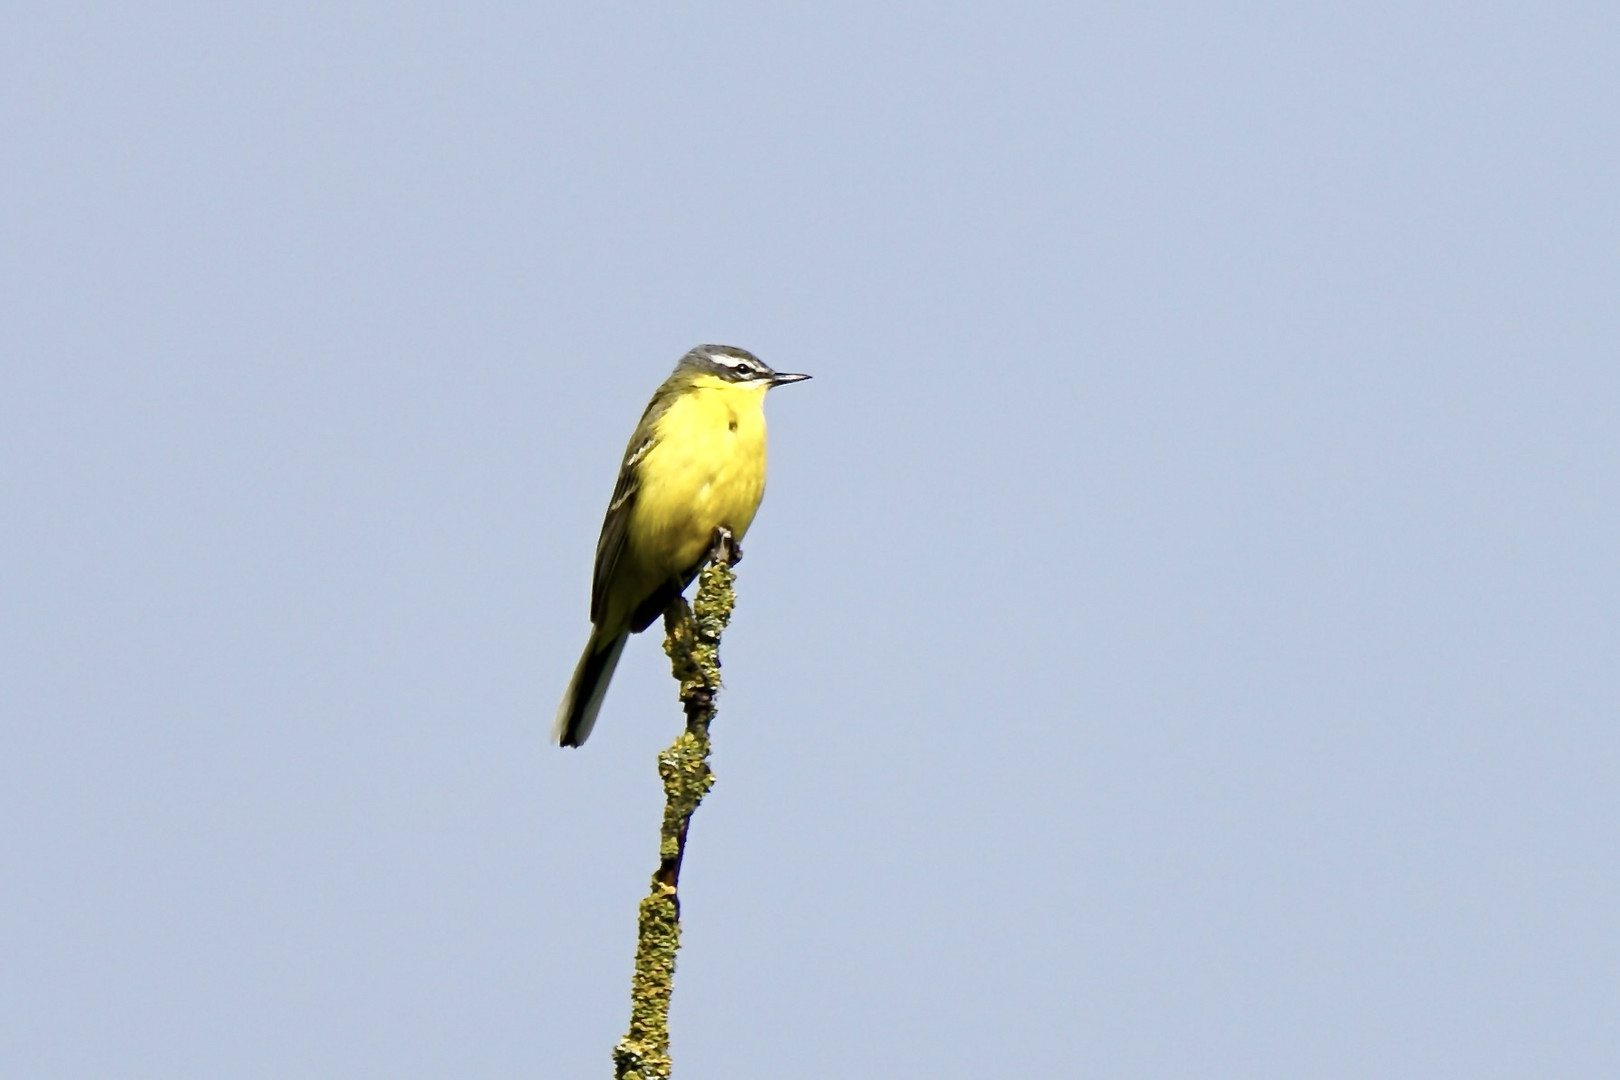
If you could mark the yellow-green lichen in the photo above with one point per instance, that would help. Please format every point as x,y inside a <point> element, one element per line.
<point>692,640</point>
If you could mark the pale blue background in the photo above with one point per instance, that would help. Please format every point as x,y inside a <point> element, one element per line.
<point>1180,639</point>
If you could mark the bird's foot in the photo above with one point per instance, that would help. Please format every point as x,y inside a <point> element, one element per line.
<point>725,548</point>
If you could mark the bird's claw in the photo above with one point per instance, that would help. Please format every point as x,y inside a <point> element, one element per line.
<point>725,547</point>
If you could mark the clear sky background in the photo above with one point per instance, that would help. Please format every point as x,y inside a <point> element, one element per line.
<point>1180,638</point>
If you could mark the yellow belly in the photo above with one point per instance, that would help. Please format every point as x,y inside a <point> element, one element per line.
<point>706,470</point>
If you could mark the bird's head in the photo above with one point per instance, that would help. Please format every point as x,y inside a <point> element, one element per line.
<point>734,366</point>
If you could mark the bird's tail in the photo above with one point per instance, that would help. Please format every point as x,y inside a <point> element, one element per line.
<point>577,713</point>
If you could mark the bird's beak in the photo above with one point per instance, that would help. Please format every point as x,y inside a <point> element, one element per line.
<point>779,378</point>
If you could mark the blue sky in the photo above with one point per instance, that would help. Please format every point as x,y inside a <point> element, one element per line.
<point>1179,638</point>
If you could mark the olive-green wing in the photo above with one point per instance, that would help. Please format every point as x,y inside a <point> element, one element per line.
<point>610,545</point>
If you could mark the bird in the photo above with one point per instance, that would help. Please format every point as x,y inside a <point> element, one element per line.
<point>695,465</point>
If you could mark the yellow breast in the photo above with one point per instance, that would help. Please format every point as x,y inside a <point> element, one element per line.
<point>707,469</point>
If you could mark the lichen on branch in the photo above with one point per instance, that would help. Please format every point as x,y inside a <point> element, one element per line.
<point>692,640</point>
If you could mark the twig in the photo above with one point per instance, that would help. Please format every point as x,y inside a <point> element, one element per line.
<point>692,640</point>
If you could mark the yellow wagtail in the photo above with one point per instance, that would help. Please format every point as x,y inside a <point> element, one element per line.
<point>695,464</point>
